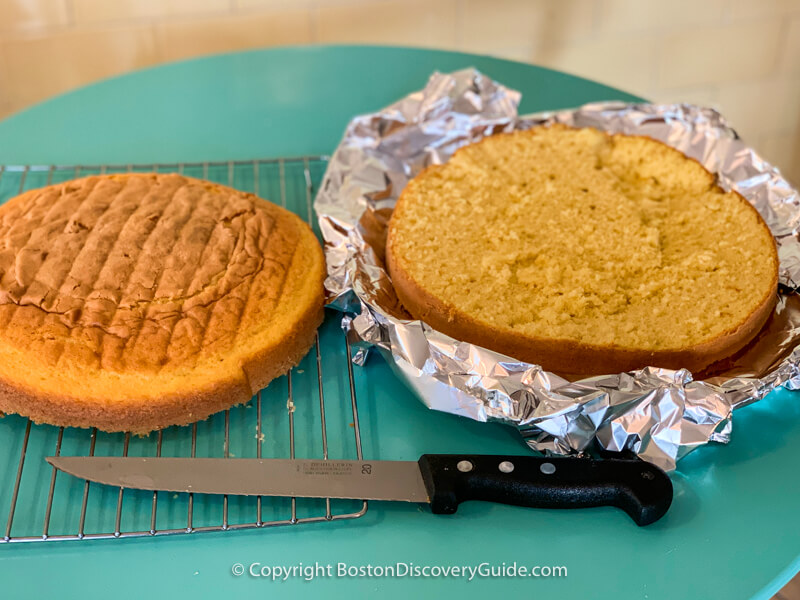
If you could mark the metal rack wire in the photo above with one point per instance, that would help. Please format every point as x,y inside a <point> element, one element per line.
<point>43,503</point>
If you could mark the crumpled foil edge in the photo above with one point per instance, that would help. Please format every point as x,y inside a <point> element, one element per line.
<point>661,415</point>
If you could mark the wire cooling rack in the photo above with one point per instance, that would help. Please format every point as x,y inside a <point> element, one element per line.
<point>311,412</point>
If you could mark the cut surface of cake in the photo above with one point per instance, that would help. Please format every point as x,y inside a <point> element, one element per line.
<point>583,252</point>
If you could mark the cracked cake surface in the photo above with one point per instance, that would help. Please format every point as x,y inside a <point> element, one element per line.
<point>583,252</point>
<point>137,301</point>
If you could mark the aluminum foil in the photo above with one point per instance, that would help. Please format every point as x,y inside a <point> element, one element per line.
<point>659,414</point>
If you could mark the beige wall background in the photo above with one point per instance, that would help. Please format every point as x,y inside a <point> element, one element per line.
<point>740,56</point>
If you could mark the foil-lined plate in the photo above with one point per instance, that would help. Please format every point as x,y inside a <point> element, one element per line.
<point>659,414</point>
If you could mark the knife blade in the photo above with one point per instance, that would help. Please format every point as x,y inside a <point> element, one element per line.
<point>443,481</point>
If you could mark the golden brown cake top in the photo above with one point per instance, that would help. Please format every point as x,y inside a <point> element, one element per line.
<point>577,235</point>
<point>139,272</point>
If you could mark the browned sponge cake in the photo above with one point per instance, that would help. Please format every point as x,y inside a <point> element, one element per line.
<point>583,252</point>
<point>133,302</point>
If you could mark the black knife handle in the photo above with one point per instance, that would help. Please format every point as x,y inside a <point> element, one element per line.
<point>639,488</point>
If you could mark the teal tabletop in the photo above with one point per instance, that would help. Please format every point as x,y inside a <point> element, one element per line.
<point>733,530</point>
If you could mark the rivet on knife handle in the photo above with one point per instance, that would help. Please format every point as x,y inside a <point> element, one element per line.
<point>639,488</point>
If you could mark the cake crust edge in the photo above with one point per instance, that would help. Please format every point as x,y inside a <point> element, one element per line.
<point>193,405</point>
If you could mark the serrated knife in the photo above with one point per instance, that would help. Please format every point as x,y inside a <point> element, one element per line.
<point>441,480</point>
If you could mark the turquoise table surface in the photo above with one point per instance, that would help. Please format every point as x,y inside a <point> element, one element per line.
<point>734,528</point>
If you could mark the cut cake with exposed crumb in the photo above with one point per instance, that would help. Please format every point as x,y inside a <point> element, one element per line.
<point>137,301</point>
<point>583,252</point>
